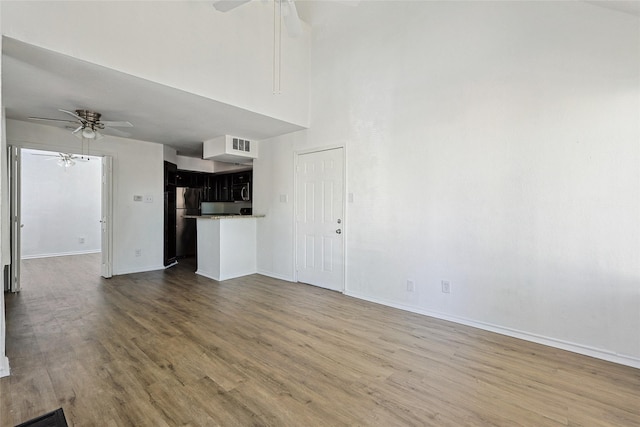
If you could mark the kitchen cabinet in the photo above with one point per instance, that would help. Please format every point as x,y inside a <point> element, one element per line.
<point>208,188</point>
<point>226,247</point>
<point>222,184</point>
<point>170,173</point>
<point>184,178</point>
<point>241,177</point>
<point>217,187</point>
<point>198,179</point>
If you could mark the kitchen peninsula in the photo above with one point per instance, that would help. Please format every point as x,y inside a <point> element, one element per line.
<point>226,245</point>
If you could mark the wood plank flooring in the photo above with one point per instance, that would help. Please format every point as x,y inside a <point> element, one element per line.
<point>170,348</point>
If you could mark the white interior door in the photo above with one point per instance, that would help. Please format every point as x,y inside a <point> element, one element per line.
<point>106,217</point>
<point>320,218</point>
<point>15,217</point>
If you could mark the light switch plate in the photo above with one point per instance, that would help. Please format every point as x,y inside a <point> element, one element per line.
<point>137,198</point>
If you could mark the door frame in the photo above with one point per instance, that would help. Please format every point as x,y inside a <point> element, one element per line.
<point>15,218</point>
<point>345,228</point>
<point>106,218</point>
<point>15,189</point>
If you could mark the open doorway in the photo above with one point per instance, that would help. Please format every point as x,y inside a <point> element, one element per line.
<point>61,210</point>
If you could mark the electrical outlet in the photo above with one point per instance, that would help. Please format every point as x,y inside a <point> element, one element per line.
<point>138,252</point>
<point>81,240</point>
<point>410,286</point>
<point>148,198</point>
<point>446,286</point>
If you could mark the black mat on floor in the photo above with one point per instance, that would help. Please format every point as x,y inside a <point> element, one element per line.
<point>52,419</point>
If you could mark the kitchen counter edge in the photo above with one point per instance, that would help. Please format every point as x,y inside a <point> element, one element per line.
<point>223,216</point>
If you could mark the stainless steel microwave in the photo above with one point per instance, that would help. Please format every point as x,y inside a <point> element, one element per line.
<point>241,192</point>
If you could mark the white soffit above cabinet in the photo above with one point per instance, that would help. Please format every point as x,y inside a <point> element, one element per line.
<point>230,149</point>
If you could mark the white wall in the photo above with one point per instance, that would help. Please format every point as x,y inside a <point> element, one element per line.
<point>59,206</point>
<point>137,170</point>
<point>492,144</point>
<point>187,45</point>
<point>273,197</point>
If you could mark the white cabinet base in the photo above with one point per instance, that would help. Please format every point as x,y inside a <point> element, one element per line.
<point>226,247</point>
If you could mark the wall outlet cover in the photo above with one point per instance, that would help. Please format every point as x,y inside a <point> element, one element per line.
<point>411,286</point>
<point>446,286</point>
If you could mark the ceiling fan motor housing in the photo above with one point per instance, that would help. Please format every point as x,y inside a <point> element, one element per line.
<point>92,118</point>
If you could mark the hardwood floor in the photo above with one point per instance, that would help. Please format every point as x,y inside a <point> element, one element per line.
<point>170,348</point>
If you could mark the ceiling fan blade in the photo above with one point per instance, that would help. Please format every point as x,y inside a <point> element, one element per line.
<point>116,124</point>
<point>45,155</point>
<point>117,132</point>
<point>292,19</point>
<point>78,129</point>
<point>227,5</point>
<point>82,120</point>
<point>51,120</point>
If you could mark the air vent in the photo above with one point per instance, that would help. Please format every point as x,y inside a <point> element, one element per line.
<point>230,149</point>
<point>242,145</point>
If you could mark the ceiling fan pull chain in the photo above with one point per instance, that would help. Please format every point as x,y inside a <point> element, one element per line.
<point>280,50</point>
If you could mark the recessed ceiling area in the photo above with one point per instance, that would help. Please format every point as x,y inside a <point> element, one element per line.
<point>37,82</point>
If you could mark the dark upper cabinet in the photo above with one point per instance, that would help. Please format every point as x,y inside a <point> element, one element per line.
<point>198,180</point>
<point>218,187</point>
<point>184,179</point>
<point>222,188</point>
<point>241,177</point>
<point>170,173</point>
<point>208,189</point>
<point>190,179</point>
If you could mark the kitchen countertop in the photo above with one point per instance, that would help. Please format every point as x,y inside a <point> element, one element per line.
<point>223,216</point>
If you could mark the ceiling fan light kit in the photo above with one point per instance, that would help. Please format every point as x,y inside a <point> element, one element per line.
<point>88,132</point>
<point>66,162</point>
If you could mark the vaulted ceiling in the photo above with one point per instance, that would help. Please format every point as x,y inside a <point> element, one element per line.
<point>35,81</point>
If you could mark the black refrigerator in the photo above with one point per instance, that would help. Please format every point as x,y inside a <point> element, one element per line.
<point>187,203</point>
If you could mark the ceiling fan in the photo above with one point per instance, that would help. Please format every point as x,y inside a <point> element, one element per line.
<point>65,160</point>
<point>88,124</point>
<point>283,11</point>
<point>288,12</point>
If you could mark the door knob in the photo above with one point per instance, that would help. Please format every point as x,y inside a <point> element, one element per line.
<point>339,221</point>
<point>338,231</point>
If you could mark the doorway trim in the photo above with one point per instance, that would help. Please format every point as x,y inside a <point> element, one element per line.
<point>15,194</point>
<point>345,229</point>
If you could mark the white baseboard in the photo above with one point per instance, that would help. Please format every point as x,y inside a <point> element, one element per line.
<point>139,270</point>
<point>4,366</point>
<point>207,275</point>
<point>51,255</point>
<point>527,336</point>
<point>276,276</point>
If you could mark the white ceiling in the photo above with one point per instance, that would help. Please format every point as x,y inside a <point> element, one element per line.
<point>37,82</point>
<point>630,7</point>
